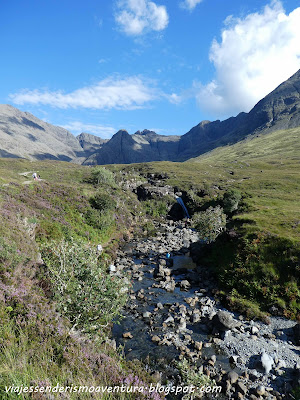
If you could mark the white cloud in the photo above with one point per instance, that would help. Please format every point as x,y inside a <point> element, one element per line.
<point>136,17</point>
<point>190,4</point>
<point>174,98</point>
<point>255,55</point>
<point>128,94</point>
<point>77,127</point>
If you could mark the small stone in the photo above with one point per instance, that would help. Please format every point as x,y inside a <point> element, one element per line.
<point>232,377</point>
<point>112,268</point>
<point>233,359</point>
<point>254,330</point>
<point>127,335</point>
<point>198,346</point>
<point>241,387</point>
<point>185,285</point>
<point>260,390</point>
<point>155,339</point>
<point>213,358</point>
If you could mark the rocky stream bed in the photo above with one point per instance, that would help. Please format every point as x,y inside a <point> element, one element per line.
<point>172,314</point>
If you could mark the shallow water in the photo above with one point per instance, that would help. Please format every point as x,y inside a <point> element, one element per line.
<point>141,346</point>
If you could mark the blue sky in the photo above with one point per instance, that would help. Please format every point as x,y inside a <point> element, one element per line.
<point>101,65</point>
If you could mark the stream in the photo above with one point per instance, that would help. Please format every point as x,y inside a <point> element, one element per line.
<point>172,314</point>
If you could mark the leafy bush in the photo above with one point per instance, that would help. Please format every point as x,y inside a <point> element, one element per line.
<point>193,377</point>
<point>231,200</point>
<point>102,175</point>
<point>102,201</point>
<point>85,293</point>
<point>210,223</point>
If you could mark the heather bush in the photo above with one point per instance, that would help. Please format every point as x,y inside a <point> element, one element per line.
<point>84,292</point>
<point>10,256</point>
<point>210,223</point>
<point>231,200</point>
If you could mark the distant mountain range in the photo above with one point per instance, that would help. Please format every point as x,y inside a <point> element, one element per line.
<point>22,135</point>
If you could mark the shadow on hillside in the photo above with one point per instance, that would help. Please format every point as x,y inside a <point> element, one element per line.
<point>6,154</point>
<point>48,156</point>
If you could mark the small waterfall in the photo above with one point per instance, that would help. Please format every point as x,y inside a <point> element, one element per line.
<point>180,201</point>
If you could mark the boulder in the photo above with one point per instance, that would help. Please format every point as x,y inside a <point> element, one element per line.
<point>223,321</point>
<point>266,362</point>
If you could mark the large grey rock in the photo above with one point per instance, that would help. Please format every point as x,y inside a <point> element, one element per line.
<point>223,321</point>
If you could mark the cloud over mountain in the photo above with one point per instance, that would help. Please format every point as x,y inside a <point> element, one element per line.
<point>256,53</point>
<point>119,93</point>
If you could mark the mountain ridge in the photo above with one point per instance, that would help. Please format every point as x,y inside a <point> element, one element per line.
<point>22,135</point>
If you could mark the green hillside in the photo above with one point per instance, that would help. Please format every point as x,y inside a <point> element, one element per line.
<point>267,168</point>
<point>57,298</point>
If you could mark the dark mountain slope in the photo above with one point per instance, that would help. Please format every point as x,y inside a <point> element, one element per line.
<point>278,110</point>
<point>90,143</point>
<point>144,146</point>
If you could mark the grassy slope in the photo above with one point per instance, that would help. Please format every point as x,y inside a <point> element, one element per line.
<point>267,169</point>
<point>36,345</point>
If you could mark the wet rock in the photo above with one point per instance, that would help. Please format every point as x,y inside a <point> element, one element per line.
<point>182,324</point>
<point>169,320</point>
<point>155,339</point>
<point>127,335</point>
<point>170,286</point>
<point>147,315</point>
<point>185,285</point>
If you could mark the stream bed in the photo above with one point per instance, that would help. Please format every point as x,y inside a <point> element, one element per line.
<point>172,315</point>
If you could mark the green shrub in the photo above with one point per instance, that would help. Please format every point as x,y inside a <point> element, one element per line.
<point>85,293</point>
<point>231,200</point>
<point>102,221</point>
<point>193,377</point>
<point>102,175</point>
<point>210,223</point>
<point>102,201</point>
